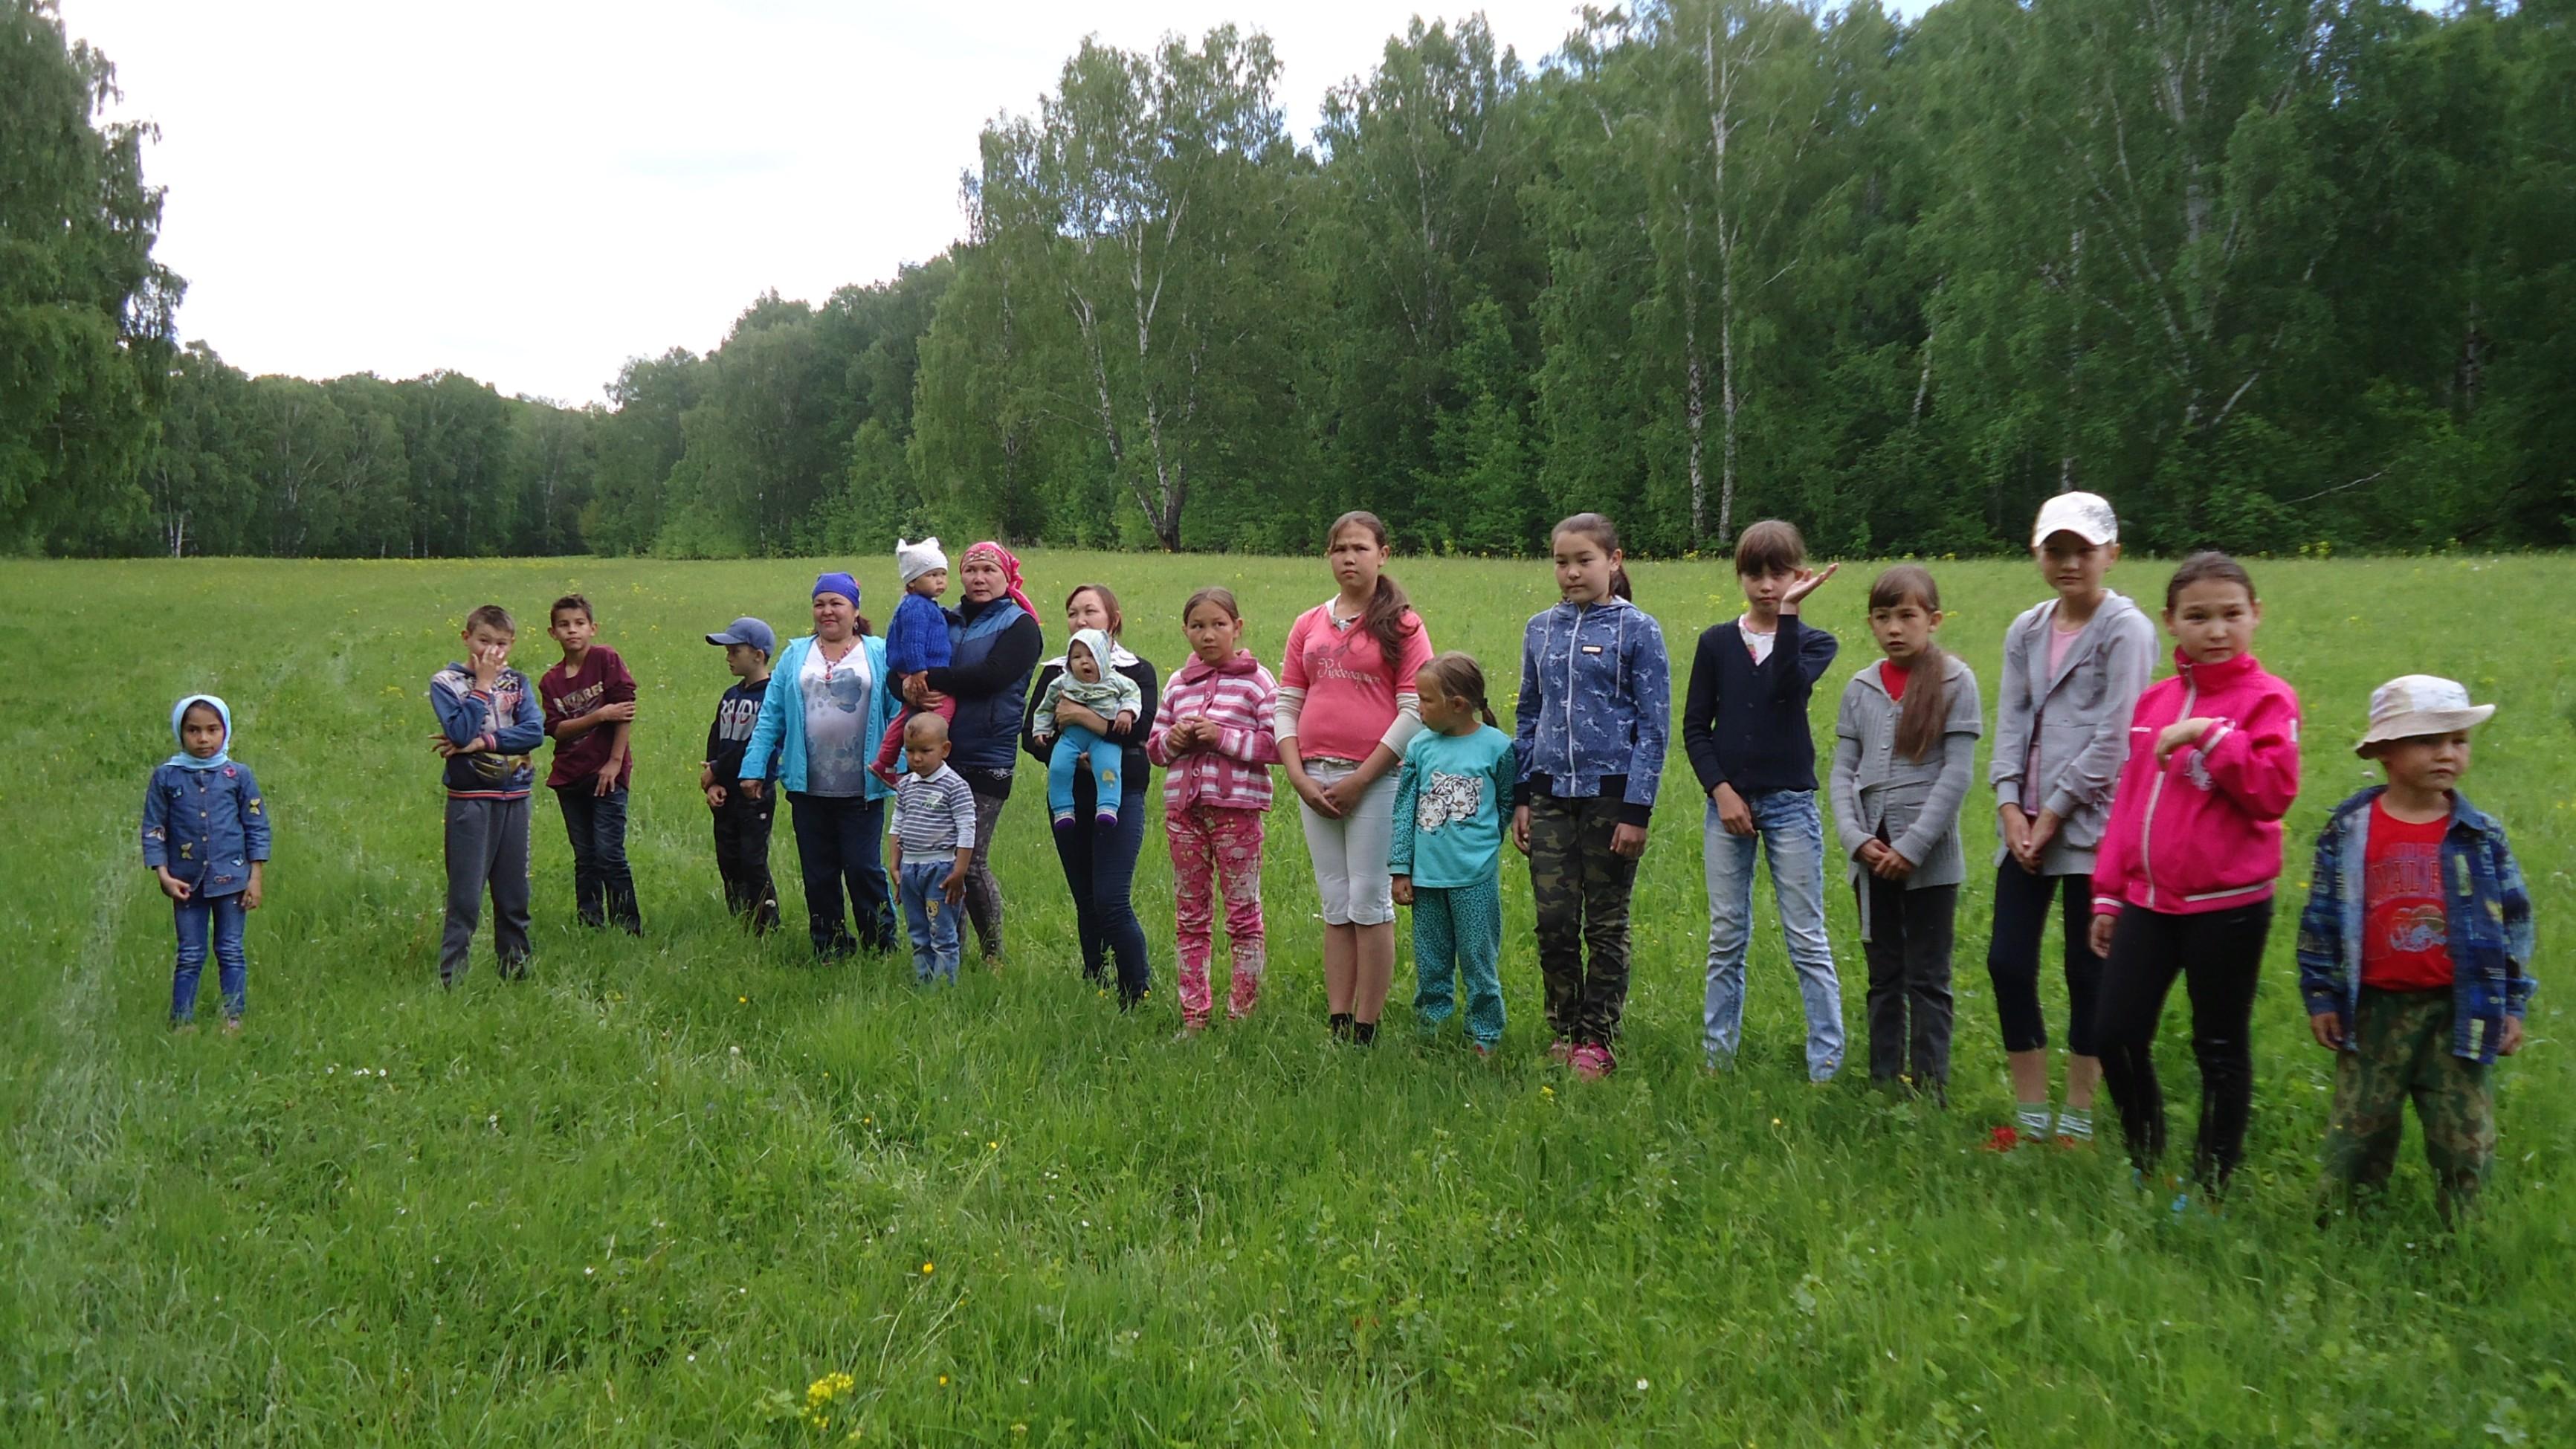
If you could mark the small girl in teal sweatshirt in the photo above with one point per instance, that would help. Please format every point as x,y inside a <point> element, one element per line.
<point>1446,853</point>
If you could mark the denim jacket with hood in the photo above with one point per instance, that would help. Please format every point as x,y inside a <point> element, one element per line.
<point>1596,704</point>
<point>2486,910</point>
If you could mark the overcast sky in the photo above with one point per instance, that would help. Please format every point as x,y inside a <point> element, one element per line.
<point>531,192</point>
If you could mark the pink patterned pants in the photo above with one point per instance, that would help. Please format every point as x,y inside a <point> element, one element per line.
<point>1213,848</point>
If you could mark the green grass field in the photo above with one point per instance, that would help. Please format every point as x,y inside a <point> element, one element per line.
<point>657,1192</point>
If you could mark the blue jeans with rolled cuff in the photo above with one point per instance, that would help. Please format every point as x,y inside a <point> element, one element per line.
<point>1787,828</point>
<point>222,917</point>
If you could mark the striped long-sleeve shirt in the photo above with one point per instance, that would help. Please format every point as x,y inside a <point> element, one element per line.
<point>1237,696</point>
<point>934,815</point>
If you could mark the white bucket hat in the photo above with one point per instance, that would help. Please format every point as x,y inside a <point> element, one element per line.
<point>2086,515</point>
<point>913,560</point>
<point>2420,704</point>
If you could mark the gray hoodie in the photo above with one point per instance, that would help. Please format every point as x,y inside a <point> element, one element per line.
<point>2078,714</point>
<point>1914,803</point>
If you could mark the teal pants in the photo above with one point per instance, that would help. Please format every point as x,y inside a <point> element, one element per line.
<point>1458,935</point>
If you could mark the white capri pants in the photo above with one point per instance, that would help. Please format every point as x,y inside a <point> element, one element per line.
<point>1350,853</point>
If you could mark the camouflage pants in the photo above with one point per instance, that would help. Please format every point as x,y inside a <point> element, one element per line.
<point>1581,891</point>
<point>2403,1041</point>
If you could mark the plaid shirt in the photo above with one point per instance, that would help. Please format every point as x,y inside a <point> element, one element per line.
<point>2488,915</point>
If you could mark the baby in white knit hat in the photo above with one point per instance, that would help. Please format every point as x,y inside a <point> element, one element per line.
<point>916,638</point>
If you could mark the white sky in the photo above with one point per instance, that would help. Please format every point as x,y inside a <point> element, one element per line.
<point>531,192</point>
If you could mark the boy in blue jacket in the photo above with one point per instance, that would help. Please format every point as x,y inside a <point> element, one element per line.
<point>489,722</point>
<point>2414,952</point>
<point>205,835</point>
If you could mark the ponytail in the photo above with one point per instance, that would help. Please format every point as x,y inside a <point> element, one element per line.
<point>1457,676</point>
<point>1605,537</point>
<point>1384,617</point>
<point>1924,711</point>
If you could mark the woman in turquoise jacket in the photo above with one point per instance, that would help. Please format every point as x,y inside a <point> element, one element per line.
<point>829,702</point>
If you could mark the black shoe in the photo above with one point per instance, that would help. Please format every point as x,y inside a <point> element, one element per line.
<point>1341,1025</point>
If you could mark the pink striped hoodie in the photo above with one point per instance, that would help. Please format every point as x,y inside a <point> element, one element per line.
<point>1239,696</point>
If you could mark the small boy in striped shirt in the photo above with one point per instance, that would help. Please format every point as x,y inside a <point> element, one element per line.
<point>935,833</point>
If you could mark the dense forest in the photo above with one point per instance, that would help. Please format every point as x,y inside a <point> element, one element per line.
<point>2282,276</point>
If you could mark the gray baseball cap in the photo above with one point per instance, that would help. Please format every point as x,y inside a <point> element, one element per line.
<point>748,630</point>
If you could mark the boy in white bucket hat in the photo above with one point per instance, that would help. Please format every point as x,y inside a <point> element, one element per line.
<point>2414,952</point>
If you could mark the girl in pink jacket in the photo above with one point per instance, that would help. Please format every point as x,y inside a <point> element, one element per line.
<point>2183,883</point>
<point>1216,740</point>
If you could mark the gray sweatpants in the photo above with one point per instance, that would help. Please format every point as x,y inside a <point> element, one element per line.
<point>487,844</point>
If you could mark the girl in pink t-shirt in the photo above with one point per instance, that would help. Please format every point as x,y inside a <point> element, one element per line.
<point>1347,707</point>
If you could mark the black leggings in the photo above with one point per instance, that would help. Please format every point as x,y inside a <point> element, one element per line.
<point>2219,957</point>
<point>2012,958</point>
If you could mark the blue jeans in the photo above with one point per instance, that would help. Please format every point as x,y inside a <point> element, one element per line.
<point>225,914</point>
<point>929,919</point>
<point>603,888</point>
<point>1786,826</point>
<point>1108,770</point>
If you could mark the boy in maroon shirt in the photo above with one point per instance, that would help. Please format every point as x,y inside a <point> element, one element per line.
<point>590,706</point>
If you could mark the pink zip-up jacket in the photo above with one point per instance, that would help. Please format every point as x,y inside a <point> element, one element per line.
<point>1239,695</point>
<point>2202,832</point>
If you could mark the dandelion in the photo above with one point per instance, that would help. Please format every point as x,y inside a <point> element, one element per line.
<point>824,1392</point>
<point>943,1381</point>
<point>926,1270</point>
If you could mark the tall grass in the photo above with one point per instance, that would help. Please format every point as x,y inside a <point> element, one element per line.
<point>656,1192</point>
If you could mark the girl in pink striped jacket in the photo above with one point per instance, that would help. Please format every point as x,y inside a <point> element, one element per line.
<point>1216,741</point>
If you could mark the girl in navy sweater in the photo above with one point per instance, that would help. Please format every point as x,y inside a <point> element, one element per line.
<point>1744,725</point>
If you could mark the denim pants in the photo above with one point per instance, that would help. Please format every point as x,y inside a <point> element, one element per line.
<point>1065,761</point>
<point>840,843</point>
<point>1788,829</point>
<point>1458,940</point>
<point>929,919</point>
<point>603,889</point>
<point>224,915</point>
<point>1100,871</point>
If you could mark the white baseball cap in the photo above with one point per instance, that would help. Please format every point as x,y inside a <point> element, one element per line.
<point>2420,704</point>
<point>2086,515</point>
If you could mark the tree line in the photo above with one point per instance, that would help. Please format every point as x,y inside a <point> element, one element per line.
<point>2272,274</point>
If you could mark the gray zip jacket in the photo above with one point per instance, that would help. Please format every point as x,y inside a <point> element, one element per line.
<point>2080,715</point>
<point>1914,803</point>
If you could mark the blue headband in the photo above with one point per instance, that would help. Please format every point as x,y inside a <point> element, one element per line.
<point>841,584</point>
<point>179,715</point>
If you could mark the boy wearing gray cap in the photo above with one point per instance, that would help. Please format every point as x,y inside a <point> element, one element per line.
<point>742,822</point>
<point>2414,952</point>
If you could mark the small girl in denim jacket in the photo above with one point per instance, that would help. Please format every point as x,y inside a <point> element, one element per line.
<point>1905,752</point>
<point>205,836</point>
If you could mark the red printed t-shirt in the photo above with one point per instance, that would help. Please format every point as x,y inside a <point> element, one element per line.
<point>602,679</point>
<point>2405,938</point>
<point>1350,692</point>
<point>1894,679</point>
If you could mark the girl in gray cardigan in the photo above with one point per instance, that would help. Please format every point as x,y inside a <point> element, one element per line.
<point>1905,750</point>
<point>2073,667</point>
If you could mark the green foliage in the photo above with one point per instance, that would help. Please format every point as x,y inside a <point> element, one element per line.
<point>2270,273</point>
<point>85,313</point>
<point>666,1190</point>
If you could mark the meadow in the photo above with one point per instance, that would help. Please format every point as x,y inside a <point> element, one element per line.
<point>666,1191</point>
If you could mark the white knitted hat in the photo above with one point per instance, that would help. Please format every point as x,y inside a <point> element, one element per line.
<point>916,559</point>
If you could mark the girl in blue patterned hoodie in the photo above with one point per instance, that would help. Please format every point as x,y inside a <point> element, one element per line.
<point>205,837</point>
<point>1588,737</point>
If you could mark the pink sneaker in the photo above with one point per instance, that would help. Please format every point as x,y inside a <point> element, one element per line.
<point>1560,1051</point>
<point>1592,1063</point>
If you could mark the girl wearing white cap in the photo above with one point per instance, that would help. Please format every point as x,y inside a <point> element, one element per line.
<point>2073,667</point>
